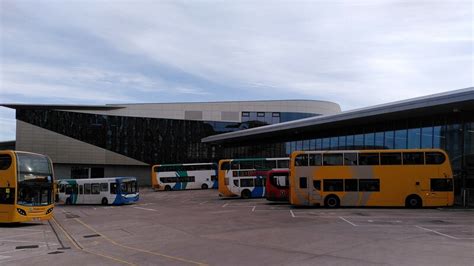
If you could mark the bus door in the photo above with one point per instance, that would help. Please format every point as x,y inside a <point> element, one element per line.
<point>314,193</point>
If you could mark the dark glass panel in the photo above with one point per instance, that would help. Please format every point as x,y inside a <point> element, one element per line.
<point>414,138</point>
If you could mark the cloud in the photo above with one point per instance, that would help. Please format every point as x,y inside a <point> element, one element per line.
<point>355,53</point>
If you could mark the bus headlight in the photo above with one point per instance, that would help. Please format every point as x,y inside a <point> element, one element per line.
<point>21,211</point>
<point>49,210</point>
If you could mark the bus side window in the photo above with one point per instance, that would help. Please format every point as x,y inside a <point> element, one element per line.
<point>303,182</point>
<point>95,188</point>
<point>87,189</point>
<point>104,187</point>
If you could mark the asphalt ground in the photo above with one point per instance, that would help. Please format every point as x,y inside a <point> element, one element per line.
<point>197,227</point>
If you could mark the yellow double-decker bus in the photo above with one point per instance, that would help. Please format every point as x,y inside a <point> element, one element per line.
<point>411,178</point>
<point>26,187</point>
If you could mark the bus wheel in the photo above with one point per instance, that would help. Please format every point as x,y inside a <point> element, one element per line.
<point>167,188</point>
<point>413,201</point>
<point>331,201</point>
<point>204,186</point>
<point>105,201</point>
<point>245,194</point>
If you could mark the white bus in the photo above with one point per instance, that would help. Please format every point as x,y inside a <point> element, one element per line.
<point>105,191</point>
<point>184,176</point>
<point>245,178</point>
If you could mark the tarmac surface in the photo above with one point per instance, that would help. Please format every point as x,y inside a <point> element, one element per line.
<point>197,227</point>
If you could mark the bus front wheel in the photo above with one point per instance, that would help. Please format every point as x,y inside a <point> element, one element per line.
<point>105,201</point>
<point>331,201</point>
<point>246,194</point>
<point>204,186</point>
<point>413,201</point>
<point>167,188</point>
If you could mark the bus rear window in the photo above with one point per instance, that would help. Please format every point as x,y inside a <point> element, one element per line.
<point>441,184</point>
<point>435,158</point>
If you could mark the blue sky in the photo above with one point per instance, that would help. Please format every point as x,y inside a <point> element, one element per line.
<point>355,53</point>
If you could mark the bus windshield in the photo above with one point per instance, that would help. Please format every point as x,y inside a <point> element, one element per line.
<point>129,187</point>
<point>35,180</point>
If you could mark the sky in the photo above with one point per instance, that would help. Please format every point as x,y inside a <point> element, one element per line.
<point>355,53</point>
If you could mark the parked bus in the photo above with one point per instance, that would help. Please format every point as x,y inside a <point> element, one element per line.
<point>26,187</point>
<point>184,176</point>
<point>277,185</point>
<point>411,178</point>
<point>239,177</point>
<point>105,191</point>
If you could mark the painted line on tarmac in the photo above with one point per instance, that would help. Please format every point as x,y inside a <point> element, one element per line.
<point>79,247</point>
<point>292,214</point>
<point>349,222</point>
<point>253,209</point>
<point>138,249</point>
<point>223,206</point>
<point>203,202</point>
<point>146,209</point>
<point>436,232</point>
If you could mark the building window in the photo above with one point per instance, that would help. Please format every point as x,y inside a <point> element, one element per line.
<point>260,114</point>
<point>245,114</point>
<point>275,114</point>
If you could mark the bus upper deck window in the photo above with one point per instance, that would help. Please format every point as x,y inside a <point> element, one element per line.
<point>413,158</point>
<point>434,158</point>
<point>301,160</point>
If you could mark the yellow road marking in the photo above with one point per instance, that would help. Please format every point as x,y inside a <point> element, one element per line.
<point>85,250</point>
<point>139,249</point>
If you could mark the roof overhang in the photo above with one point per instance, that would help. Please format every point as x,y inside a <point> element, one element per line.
<point>453,101</point>
<point>61,107</point>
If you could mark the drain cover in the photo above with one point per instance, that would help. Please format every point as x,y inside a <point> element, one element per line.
<point>88,236</point>
<point>25,247</point>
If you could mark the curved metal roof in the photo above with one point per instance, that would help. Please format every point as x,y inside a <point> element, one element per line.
<point>430,104</point>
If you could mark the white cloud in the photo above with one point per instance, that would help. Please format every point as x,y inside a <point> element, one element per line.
<point>356,53</point>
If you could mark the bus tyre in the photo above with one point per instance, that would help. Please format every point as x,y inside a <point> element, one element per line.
<point>331,201</point>
<point>245,194</point>
<point>167,188</point>
<point>204,186</point>
<point>105,201</point>
<point>413,201</point>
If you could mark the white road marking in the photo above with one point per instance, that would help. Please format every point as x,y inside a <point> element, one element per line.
<point>436,232</point>
<point>223,206</point>
<point>253,209</point>
<point>292,214</point>
<point>370,221</point>
<point>146,209</point>
<point>4,257</point>
<point>349,222</point>
<point>203,202</point>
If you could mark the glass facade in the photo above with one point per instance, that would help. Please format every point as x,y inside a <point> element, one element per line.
<point>453,133</point>
<point>150,140</point>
